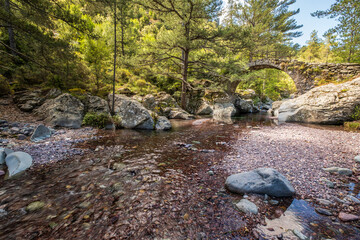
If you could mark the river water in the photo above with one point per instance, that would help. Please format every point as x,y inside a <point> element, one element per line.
<point>151,185</point>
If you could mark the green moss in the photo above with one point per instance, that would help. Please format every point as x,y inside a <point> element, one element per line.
<point>117,121</point>
<point>344,90</point>
<point>98,120</point>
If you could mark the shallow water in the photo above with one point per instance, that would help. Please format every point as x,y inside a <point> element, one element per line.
<point>147,184</point>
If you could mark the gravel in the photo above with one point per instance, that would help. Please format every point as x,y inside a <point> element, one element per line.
<point>298,152</point>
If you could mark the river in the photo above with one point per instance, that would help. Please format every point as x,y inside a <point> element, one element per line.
<point>152,185</point>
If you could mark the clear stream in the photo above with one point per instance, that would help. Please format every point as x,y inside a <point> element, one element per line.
<point>146,185</point>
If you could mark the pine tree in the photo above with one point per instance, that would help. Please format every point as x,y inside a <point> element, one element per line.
<point>347,13</point>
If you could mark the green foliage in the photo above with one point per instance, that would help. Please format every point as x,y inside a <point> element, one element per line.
<point>4,86</point>
<point>98,120</point>
<point>356,115</point>
<point>270,83</point>
<point>117,121</point>
<point>352,126</point>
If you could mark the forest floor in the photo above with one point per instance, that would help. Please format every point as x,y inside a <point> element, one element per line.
<point>170,185</point>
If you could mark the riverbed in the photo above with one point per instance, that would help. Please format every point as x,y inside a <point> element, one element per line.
<point>131,184</point>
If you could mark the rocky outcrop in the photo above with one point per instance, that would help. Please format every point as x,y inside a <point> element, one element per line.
<point>63,111</point>
<point>245,106</point>
<point>96,104</point>
<point>132,114</point>
<point>205,109</point>
<point>28,100</point>
<point>261,181</point>
<point>162,123</point>
<point>224,110</point>
<point>17,162</point>
<point>328,104</point>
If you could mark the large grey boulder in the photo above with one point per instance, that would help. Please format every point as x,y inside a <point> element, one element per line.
<point>41,132</point>
<point>63,111</point>
<point>262,181</point>
<point>149,102</point>
<point>224,110</point>
<point>17,162</point>
<point>162,123</point>
<point>245,106</point>
<point>328,104</point>
<point>3,153</point>
<point>131,113</point>
<point>205,109</point>
<point>96,104</point>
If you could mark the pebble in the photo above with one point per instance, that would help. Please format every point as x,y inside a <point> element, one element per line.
<point>247,207</point>
<point>273,202</point>
<point>354,199</point>
<point>357,159</point>
<point>346,217</point>
<point>211,173</point>
<point>324,202</point>
<point>323,211</point>
<point>3,212</point>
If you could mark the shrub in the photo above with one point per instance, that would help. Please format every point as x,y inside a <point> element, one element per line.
<point>356,115</point>
<point>117,121</point>
<point>352,126</point>
<point>98,120</point>
<point>4,86</point>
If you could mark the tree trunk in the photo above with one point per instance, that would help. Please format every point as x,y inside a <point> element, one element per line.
<point>185,78</point>
<point>10,29</point>
<point>122,31</point>
<point>113,97</point>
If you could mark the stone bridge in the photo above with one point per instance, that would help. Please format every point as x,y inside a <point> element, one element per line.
<point>307,75</point>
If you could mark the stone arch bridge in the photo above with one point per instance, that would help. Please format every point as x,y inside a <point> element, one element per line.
<point>306,75</point>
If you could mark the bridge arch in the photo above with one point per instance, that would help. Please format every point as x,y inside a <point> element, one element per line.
<point>306,75</point>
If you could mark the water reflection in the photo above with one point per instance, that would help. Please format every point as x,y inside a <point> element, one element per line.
<point>301,217</point>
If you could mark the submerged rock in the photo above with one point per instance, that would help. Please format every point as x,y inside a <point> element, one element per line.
<point>247,207</point>
<point>18,162</point>
<point>40,133</point>
<point>35,206</point>
<point>323,211</point>
<point>262,181</point>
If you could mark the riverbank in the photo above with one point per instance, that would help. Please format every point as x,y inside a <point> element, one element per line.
<point>132,184</point>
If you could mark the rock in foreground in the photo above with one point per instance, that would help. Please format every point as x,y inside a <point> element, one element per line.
<point>261,181</point>
<point>18,162</point>
<point>40,133</point>
<point>247,207</point>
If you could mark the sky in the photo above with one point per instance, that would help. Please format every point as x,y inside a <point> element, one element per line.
<point>310,23</point>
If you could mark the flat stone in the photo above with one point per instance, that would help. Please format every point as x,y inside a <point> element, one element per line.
<point>323,211</point>
<point>247,207</point>
<point>341,171</point>
<point>261,181</point>
<point>347,217</point>
<point>273,202</point>
<point>41,132</point>
<point>324,202</point>
<point>18,162</point>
